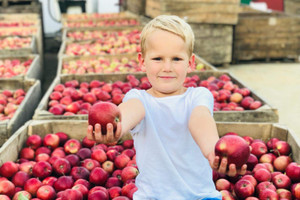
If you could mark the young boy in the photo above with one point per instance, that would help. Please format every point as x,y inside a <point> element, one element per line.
<point>172,126</point>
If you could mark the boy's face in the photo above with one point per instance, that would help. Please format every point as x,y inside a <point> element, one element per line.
<point>166,61</point>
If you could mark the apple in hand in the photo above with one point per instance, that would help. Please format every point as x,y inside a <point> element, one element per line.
<point>235,148</point>
<point>104,113</point>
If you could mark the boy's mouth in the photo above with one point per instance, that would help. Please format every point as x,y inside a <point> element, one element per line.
<point>167,77</point>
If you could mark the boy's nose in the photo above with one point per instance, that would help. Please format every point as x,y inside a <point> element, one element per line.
<point>167,66</point>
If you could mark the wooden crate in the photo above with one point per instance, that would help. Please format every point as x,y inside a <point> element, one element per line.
<point>136,6</point>
<point>92,23</point>
<point>35,70</point>
<point>26,108</point>
<point>266,113</point>
<point>77,129</point>
<point>32,49</point>
<point>292,7</point>
<point>19,16</point>
<point>196,11</point>
<point>213,42</point>
<point>266,36</point>
<point>28,8</point>
<point>62,60</point>
<point>96,16</point>
<point>112,29</point>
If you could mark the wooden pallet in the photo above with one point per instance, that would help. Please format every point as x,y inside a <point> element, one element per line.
<point>261,35</point>
<point>196,11</point>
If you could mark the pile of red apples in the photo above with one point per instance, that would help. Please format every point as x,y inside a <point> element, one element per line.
<point>107,37</point>
<point>271,173</point>
<point>16,24</point>
<point>13,67</point>
<point>105,65</point>
<point>57,167</point>
<point>84,16</point>
<point>15,42</point>
<point>9,102</point>
<point>23,32</point>
<point>97,48</point>
<point>73,97</point>
<point>108,22</point>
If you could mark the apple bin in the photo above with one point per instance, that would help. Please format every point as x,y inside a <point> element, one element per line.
<point>128,62</point>
<point>96,32</point>
<point>15,45</point>
<point>25,109</point>
<point>11,150</point>
<point>33,68</point>
<point>266,113</point>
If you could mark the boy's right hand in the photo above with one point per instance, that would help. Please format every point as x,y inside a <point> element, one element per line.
<point>110,136</point>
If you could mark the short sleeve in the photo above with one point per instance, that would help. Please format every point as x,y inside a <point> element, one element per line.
<point>134,94</point>
<point>203,97</point>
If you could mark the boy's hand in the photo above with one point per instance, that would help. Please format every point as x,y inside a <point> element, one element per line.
<point>110,136</point>
<point>223,168</point>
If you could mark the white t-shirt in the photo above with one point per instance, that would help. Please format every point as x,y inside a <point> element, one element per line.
<point>170,163</point>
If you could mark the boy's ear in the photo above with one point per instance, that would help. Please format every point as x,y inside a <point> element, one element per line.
<point>141,61</point>
<point>192,64</point>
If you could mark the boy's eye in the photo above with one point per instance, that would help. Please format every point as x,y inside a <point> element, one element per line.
<point>177,59</point>
<point>158,58</point>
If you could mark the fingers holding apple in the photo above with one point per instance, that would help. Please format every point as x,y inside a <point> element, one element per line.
<point>110,136</point>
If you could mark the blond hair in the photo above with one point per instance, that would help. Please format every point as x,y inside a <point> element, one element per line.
<point>172,24</point>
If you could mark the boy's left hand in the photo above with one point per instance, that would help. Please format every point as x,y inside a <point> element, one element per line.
<point>223,168</point>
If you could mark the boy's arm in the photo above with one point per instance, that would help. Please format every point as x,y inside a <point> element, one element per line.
<point>204,131</point>
<point>132,112</point>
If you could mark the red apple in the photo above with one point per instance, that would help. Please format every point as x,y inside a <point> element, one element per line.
<point>72,146</point>
<point>114,192</point>
<point>51,141</point>
<point>20,178</point>
<point>235,148</point>
<point>282,148</point>
<point>63,183</point>
<point>32,185</point>
<point>243,189</point>
<point>34,141</point>
<point>271,143</point>
<point>99,155</point>
<point>132,172</point>
<point>104,113</point>
<point>71,194</point>
<point>46,192</point>
<point>282,181</point>
<point>73,159</point>
<point>281,163</point>
<point>226,195</point>
<point>7,188</point>
<point>108,166</point>
<point>121,161</point>
<point>98,176</point>
<point>293,171</point>
<point>90,164</point>
<point>295,189</point>
<point>251,179</point>
<point>61,166</point>
<point>50,180</point>
<point>258,148</point>
<point>21,195</point>
<point>112,182</point>
<point>268,194</point>
<point>262,175</point>
<point>63,137</point>
<point>27,153</point>
<point>42,169</point>
<point>222,184</point>
<point>78,172</point>
<point>284,194</point>
<point>251,162</point>
<point>82,189</point>
<point>84,153</point>
<point>265,185</point>
<point>8,169</point>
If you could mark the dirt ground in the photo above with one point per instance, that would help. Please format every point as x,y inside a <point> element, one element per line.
<point>278,84</point>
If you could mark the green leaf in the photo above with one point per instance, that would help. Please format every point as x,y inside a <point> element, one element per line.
<point>22,197</point>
